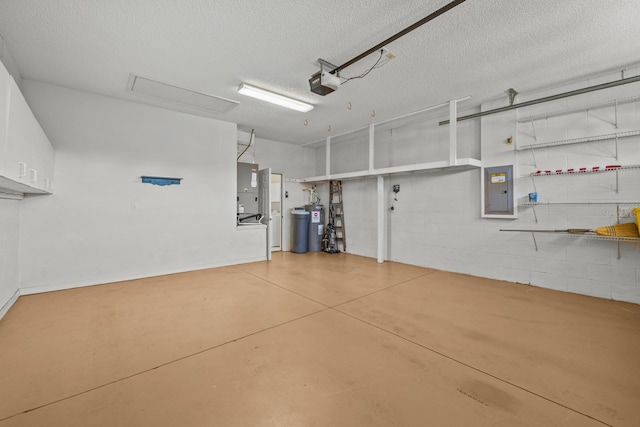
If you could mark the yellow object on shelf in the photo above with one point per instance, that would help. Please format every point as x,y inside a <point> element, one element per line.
<point>628,229</point>
<point>636,213</point>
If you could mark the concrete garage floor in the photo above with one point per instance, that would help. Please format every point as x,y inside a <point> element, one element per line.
<point>319,340</point>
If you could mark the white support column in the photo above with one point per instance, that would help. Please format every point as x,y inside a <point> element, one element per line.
<point>453,132</point>
<point>381,221</point>
<point>328,165</point>
<point>371,147</point>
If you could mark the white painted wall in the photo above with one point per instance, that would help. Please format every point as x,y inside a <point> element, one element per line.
<point>293,161</point>
<point>436,222</point>
<point>9,244</point>
<point>88,231</point>
<point>7,60</point>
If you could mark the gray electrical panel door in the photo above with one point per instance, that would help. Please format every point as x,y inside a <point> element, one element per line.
<point>264,195</point>
<point>264,200</point>
<point>248,189</point>
<point>498,188</point>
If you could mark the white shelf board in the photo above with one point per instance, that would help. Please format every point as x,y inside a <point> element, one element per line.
<point>319,178</point>
<point>19,187</point>
<point>350,175</point>
<point>439,166</point>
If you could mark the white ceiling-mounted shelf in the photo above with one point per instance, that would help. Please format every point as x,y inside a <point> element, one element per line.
<point>453,163</point>
<point>460,164</point>
<point>441,166</point>
<point>594,106</point>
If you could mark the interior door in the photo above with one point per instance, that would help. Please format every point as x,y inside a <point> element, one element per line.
<point>264,204</point>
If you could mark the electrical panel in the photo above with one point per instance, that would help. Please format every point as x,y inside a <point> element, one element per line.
<point>498,190</point>
<point>248,191</point>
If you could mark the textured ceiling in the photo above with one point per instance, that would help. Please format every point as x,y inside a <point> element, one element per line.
<point>480,48</point>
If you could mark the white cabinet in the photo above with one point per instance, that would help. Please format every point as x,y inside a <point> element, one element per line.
<point>26,155</point>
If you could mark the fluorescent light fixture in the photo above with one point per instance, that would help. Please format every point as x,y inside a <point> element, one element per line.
<point>274,98</point>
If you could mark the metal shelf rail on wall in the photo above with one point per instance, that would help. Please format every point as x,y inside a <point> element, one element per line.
<point>587,234</point>
<point>615,169</point>
<point>611,119</point>
<point>616,136</point>
<point>618,204</point>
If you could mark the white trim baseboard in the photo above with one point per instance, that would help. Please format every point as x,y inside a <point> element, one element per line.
<point>39,289</point>
<point>5,308</point>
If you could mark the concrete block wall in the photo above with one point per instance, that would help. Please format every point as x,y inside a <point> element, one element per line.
<point>361,225</point>
<point>437,219</point>
<point>589,267</point>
